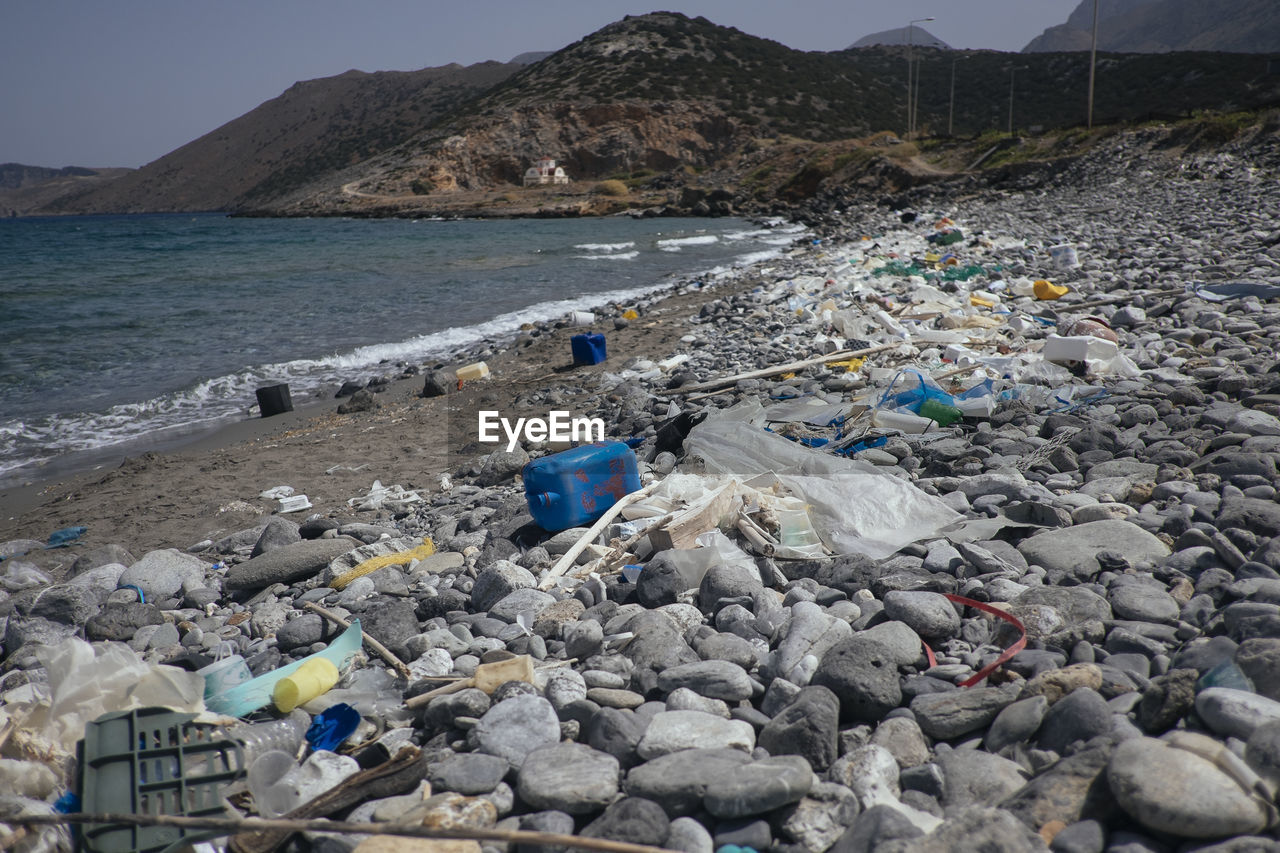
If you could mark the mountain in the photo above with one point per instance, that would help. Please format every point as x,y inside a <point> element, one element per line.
<point>28,189</point>
<point>313,128</point>
<point>656,101</point>
<point>1160,26</point>
<point>902,36</point>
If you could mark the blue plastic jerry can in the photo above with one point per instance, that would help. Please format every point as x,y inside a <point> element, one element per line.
<point>575,487</point>
<point>588,349</point>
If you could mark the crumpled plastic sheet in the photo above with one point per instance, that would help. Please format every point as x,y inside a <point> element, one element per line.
<point>855,508</point>
<point>84,683</point>
<point>388,497</point>
<point>1237,290</point>
<point>43,839</point>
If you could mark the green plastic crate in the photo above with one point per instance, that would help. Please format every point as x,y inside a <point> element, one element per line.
<point>151,761</point>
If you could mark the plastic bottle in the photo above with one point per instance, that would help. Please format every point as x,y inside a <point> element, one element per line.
<point>939,412</point>
<point>315,677</point>
<point>284,735</point>
<point>904,421</point>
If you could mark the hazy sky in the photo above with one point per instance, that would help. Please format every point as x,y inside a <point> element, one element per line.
<point>123,82</point>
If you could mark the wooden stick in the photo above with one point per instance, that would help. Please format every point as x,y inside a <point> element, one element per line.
<point>249,824</point>
<point>566,562</point>
<point>383,651</point>
<point>784,368</point>
<point>1097,303</point>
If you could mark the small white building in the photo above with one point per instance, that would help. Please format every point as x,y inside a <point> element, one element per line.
<point>546,172</point>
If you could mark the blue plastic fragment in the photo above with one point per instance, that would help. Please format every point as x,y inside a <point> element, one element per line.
<point>65,536</point>
<point>68,803</point>
<point>635,441</point>
<point>142,596</point>
<point>332,726</point>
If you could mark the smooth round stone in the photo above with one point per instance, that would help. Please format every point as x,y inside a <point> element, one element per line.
<point>672,731</point>
<point>1178,792</point>
<point>569,777</point>
<point>1142,603</point>
<point>609,697</point>
<point>516,726</point>
<point>715,679</point>
<point>1235,713</point>
<point>759,787</point>
<point>929,614</point>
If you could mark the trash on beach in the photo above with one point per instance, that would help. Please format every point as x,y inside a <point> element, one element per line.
<point>227,671</point>
<point>152,761</point>
<point>1047,291</point>
<point>315,677</point>
<point>21,574</point>
<point>855,508</point>
<point>1065,256</point>
<point>332,726</point>
<point>244,699</point>
<point>1236,290</point>
<point>83,683</point>
<point>488,677</point>
<point>588,349</point>
<point>577,486</point>
<point>276,493</point>
<point>295,503</point>
<point>389,497</point>
<point>400,558</point>
<point>65,536</point>
<point>472,372</point>
<point>581,318</point>
<point>274,400</point>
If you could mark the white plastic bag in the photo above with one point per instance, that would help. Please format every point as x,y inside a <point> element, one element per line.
<point>855,508</point>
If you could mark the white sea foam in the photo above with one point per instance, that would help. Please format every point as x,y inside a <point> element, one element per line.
<point>675,244</point>
<point>620,256</point>
<point>606,247</point>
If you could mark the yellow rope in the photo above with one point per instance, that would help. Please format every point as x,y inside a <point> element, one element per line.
<point>426,549</point>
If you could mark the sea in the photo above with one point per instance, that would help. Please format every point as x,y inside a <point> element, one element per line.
<point>120,334</point>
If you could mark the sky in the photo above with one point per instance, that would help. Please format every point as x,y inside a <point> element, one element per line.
<point>122,82</point>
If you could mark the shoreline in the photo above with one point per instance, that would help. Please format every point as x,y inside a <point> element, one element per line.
<point>201,480</point>
<point>313,379</point>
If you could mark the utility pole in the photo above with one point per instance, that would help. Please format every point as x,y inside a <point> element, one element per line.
<point>911,27</point>
<point>951,110</point>
<point>1093,62</point>
<point>1011,73</point>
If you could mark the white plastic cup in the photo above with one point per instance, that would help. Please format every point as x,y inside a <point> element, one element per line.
<point>1064,256</point>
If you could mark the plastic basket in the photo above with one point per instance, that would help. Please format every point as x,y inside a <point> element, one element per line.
<point>151,761</point>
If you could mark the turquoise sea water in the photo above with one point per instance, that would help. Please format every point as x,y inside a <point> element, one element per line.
<point>123,331</point>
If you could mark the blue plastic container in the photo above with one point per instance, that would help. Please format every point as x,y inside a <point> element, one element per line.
<point>588,349</point>
<point>575,487</point>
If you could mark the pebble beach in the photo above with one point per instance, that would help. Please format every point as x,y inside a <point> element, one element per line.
<point>1051,624</point>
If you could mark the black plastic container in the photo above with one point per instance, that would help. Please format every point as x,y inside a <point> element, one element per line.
<point>274,400</point>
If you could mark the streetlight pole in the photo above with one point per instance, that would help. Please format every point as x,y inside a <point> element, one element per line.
<point>910,57</point>
<point>1093,62</point>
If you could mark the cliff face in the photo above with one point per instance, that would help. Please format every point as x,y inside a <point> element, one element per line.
<point>1161,26</point>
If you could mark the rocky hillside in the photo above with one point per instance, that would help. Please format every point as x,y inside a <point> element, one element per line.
<point>313,128</point>
<point>659,97</point>
<point>30,189</point>
<point>669,94</point>
<point>1160,26</point>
